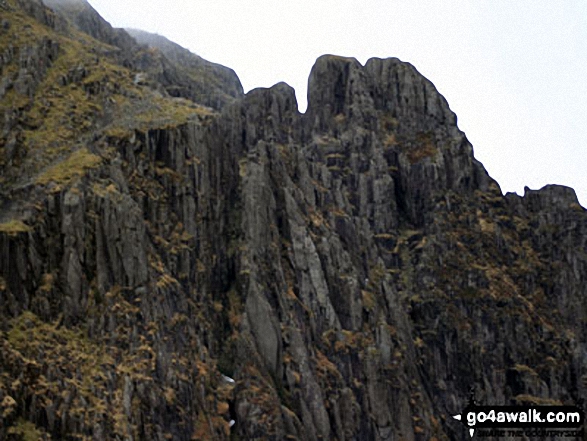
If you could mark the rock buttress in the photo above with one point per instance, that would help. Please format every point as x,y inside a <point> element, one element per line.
<point>354,269</point>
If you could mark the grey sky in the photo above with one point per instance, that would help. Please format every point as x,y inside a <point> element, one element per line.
<point>515,72</point>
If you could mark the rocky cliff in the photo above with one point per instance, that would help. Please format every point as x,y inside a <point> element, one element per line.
<point>354,269</point>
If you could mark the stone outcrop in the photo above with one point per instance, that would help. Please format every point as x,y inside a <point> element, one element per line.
<point>160,62</point>
<point>85,18</point>
<point>184,74</point>
<point>354,269</point>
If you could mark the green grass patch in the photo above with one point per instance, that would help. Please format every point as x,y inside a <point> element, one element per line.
<point>26,430</point>
<point>71,168</point>
<point>14,227</point>
<point>171,111</point>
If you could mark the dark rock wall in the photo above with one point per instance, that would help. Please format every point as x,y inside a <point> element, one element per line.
<point>354,269</point>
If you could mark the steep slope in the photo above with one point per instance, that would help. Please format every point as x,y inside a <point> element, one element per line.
<point>353,268</point>
<point>181,73</point>
<point>185,74</point>
<point>86,19</point>
<point>67,101</point>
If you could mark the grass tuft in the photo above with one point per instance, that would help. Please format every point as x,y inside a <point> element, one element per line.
<point>14,227</point>
<point>71,168</point>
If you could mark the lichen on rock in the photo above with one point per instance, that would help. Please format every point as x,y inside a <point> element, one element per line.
<point>353,269</point>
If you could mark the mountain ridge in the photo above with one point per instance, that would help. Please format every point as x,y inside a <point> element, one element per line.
<point>353,268</point>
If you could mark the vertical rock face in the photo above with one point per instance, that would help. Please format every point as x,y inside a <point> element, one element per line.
<point>354,269</point>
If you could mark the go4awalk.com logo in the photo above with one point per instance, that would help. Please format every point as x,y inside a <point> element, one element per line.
<point>496,421</point>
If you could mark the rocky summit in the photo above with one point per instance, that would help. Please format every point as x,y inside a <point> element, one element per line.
<point>180,261</point>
